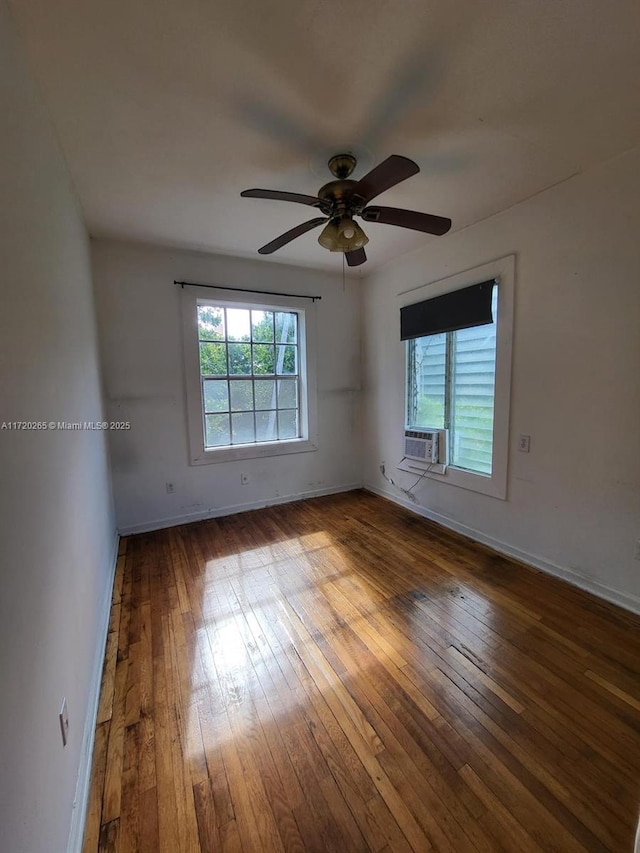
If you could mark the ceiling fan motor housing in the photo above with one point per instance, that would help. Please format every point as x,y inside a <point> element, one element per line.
<point>338,198</point>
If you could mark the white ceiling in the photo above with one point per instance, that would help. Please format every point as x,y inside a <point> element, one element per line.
<point>167,109</point>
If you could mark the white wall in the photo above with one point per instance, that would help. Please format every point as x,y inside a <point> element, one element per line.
<point>573,504</point>
<point>140,324</point>
<point>57,531</point>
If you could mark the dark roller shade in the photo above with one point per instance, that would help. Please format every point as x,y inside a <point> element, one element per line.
<point>460,309</point>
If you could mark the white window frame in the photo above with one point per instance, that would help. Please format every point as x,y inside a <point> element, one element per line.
<point>198,453</point>
<point>503,271</point>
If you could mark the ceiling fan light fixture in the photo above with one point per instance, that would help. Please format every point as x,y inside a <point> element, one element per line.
<point>342,235</point>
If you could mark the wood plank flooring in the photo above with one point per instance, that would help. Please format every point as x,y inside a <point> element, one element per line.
<point>340,675</point>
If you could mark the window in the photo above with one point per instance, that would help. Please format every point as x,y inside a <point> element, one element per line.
<point>458,379</point>
<point>247,379</point>
<point>451,385</point>
<point>249,374</point>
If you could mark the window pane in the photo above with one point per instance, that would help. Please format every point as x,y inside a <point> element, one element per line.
<point>426,376</point>
<point>242,428</point>
<point>216,430</point>
<point>241,395</point>
<point>266,427</point>
<point>210,323</point>
<point>287,424</point>
<point>286,327</point>
<point>238,324</point>
<point>473,396</point>
<point>262,326</point>
<point>263,359</point>
<point>249,367</point>
<point>286,359</point>
<point>265,391</point>
<point>213,359</point>
<point>239,359</point>
<point>216,395</point>
<point>287,393</point>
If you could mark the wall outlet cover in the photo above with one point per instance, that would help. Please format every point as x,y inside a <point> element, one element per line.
<point>524,443</point>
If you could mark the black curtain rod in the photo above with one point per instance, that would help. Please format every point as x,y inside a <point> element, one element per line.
<point>184,284</point>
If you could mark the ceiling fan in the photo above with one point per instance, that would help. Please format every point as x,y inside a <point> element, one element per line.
<point>342,199</point>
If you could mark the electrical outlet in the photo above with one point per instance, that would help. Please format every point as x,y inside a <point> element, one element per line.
<point>170,488</point>
<point>64,722</point>
<point>244,479</point>
<point>636,553</point>
<point>524,443</point>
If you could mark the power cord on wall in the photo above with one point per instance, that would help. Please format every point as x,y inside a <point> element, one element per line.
<point>408,492</point>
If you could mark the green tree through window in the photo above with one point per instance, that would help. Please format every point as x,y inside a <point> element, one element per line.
<point>249,368</point>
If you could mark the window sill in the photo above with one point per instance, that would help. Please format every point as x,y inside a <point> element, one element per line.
<point>463,479</point>
<point>410,467</point>
<point>253,451</point>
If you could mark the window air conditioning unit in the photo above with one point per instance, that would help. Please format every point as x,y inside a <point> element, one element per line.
<point>421,445</point>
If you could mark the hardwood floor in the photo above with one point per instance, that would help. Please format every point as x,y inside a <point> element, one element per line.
<point>340,675</point>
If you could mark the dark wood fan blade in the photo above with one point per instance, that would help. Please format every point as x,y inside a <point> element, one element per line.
<point>285,238</point>
<point>425,222</point>
<point>355,258</point>
<point>384,176</point>
<point>279,195</point>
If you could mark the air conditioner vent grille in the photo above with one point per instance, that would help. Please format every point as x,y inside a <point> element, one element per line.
<point>421,445</point>
<point>415,448</point>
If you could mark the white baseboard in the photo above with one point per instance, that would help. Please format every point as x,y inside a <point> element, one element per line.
<point>159,524</point>
<point>622,599</point>
<point>79,814</point>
